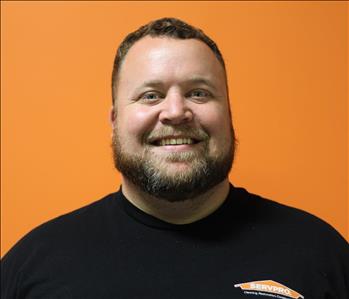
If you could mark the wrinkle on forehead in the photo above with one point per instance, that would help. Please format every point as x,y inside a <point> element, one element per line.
<point>162,51</point>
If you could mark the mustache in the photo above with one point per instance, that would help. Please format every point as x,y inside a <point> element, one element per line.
<point>170,131</point>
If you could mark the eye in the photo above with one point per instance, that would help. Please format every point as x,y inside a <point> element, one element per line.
<point>199,94</point>
<point>151,97</point>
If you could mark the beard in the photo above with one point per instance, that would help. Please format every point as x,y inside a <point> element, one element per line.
<point>151,173</point>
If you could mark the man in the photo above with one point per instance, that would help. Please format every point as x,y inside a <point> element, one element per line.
<point>177,228</point>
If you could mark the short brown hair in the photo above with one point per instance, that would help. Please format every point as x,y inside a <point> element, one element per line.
<point>165,27</point>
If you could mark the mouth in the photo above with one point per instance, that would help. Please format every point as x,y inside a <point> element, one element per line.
<point>174,141</point>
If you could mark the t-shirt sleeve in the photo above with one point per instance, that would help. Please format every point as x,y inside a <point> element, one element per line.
<point>11,266</point>
<point>337,265</point>
<point>26,270</point>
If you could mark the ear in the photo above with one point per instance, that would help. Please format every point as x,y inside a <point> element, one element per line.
<point>112,116</point>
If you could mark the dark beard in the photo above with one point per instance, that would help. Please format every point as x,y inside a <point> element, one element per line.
<point>206,172</point>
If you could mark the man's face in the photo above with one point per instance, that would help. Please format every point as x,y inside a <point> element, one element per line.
<point>172,136</point>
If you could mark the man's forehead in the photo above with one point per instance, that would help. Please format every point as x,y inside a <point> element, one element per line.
<point>158,48</point>
<point>156,55</point>
<point>189,80</point>
<point>156,41</point>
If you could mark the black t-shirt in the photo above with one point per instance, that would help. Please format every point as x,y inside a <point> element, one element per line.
<point>250,248</point>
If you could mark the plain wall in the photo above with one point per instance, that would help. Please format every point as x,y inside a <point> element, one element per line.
<point>288,75</point>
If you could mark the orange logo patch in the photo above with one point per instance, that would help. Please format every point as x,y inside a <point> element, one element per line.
<point>270,287</point>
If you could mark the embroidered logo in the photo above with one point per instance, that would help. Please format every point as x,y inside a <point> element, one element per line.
<point>268,288</point>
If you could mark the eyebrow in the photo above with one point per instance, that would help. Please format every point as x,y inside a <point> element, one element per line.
<point>193,80</point>
<point>151,83</point>
<point>201,80</point>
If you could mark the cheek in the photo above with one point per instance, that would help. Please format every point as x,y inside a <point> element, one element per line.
<point>216,120</point>
<point>136,121</point>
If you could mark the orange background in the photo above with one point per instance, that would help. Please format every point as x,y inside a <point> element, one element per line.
<point>287,64</point>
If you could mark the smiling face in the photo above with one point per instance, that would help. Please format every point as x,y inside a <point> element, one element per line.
<point>173,136</point>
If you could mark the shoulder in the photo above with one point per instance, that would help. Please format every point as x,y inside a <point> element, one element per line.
<point>66,228</point>
<point>288,223</point>
<point>56,242</point>
<point>302,247</point>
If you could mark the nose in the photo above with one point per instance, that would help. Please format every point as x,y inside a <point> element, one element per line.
<point>175,110</point>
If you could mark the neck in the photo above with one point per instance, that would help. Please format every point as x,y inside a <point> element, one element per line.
<point>182,212</point>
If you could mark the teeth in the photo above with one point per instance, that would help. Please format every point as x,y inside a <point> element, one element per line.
<point>176,141</point>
